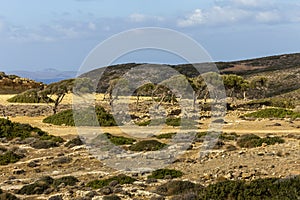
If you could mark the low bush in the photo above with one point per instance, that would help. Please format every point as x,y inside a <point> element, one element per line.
<point>177,188</point>
<point>37,187</point>
<point>111,197</point>
<point>274,113</point>
<point>165,136</point>
<point>44,144</point>
<point>83,118</point>
<point>121,179</point>
<point>8,196</point>
<point>273,102</point>
<point>169,121</point>
<point>67,180</point>
<point>119,140</point>
<point>45,183</point>
<point>163,173</point>
<point>74,142</point>
<point>147,145</point>
<point>30,96</point>
<point>9,157</point>
<point>228,136</point>
<point>11,130</point>
<point>251,141</point>
<point>269,188</point>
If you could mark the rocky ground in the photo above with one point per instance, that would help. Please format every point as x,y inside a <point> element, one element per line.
<point>229,162</point>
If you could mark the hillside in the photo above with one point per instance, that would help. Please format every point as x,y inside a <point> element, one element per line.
<point>12,84</point>
<point>282,71</point>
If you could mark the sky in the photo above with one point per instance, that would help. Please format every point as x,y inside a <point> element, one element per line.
<point>37,35</point>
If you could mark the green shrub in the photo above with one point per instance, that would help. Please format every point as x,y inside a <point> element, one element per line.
<point>147,145</point>
<point>165,136</point>
<point>251,141</point>
<point>8,196</point>
<point>274,113</point>
<point>10,130</point>
<point>44,144</point>
<point>121,179</point>
<point>162,173</point>
<point>177,187</point>
<point>269,188</point>
<point>83,118</point>
<point>67,180</point>
<point>111,197</point>
<point>228,136</point>
<point>169,121</point>
<point>30,96</point>
<point>52,138</point>
<point>9,157</point>
<point>273,102</point>
<point>119,140</point>
<point>37,187</point>
<point>74,142</point>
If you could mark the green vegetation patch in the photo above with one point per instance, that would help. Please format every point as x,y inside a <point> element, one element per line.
<point>11,130</point>
<point>121,179</point>
<point>119,140</point>
<point>165,136</point>
<point>177,187</point>
<point>169,121</point>
<point>9,157</point>
<point>251,141</point>
<point>45,183</point>
<point>147,145</point>
<point>30,96</point>
<point>274,113</point>
<point>8,196</point>
<point>74,142</point>
<point>164,173</point>
<point>85,117</point>
<point>228,136</point>
<point>269,188</point>
<point>273,102</point>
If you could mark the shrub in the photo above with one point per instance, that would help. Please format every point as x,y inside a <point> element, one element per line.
<point>10,130</point>
<point>43,144</point>
<point>74,142</point>
<point>37,187</point>
<point>251,140</point>
<point>67,180</point>
<point>111,197</point>
<point>119,140</point>
<point>269,188</point>
<point>121,179</point>
<point>84,118</point>
<point>274,102</point>
<point>30,96</point>
<point>228,136</point>
<point>165,136</point>
<point>169,121</point>
<point>147,145</point>
<point>46,182</point>
<point>274,113</point>
<point>8,196</point>
<point>9,157</point>
<point>177,187</point>
<point>162,173</point>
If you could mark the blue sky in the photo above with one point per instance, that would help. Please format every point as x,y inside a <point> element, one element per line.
<point>36,35</point>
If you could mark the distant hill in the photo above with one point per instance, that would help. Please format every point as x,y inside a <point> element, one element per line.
<point>282,71</point>
<point>46,76</point>
<point>12,84</point>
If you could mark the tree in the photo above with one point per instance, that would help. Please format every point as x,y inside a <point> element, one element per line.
<point>199,88</point>
<point>59,89</point>
<point>260,84</point>
<point>144,90</point>
<point>235,85</point>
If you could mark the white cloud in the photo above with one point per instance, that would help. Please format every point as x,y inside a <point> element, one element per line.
<point>196,18</point>
<point>268,16</point>
<point>92,26</point>
<point>136,17</point>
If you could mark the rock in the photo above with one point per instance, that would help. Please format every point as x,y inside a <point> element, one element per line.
<point>56,197</point>
<point>260,153</point>
<point>19,171</point>
<point>113,183</point>
<point>106,190</point>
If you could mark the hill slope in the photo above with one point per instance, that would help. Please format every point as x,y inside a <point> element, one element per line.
<point>282,71</point>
